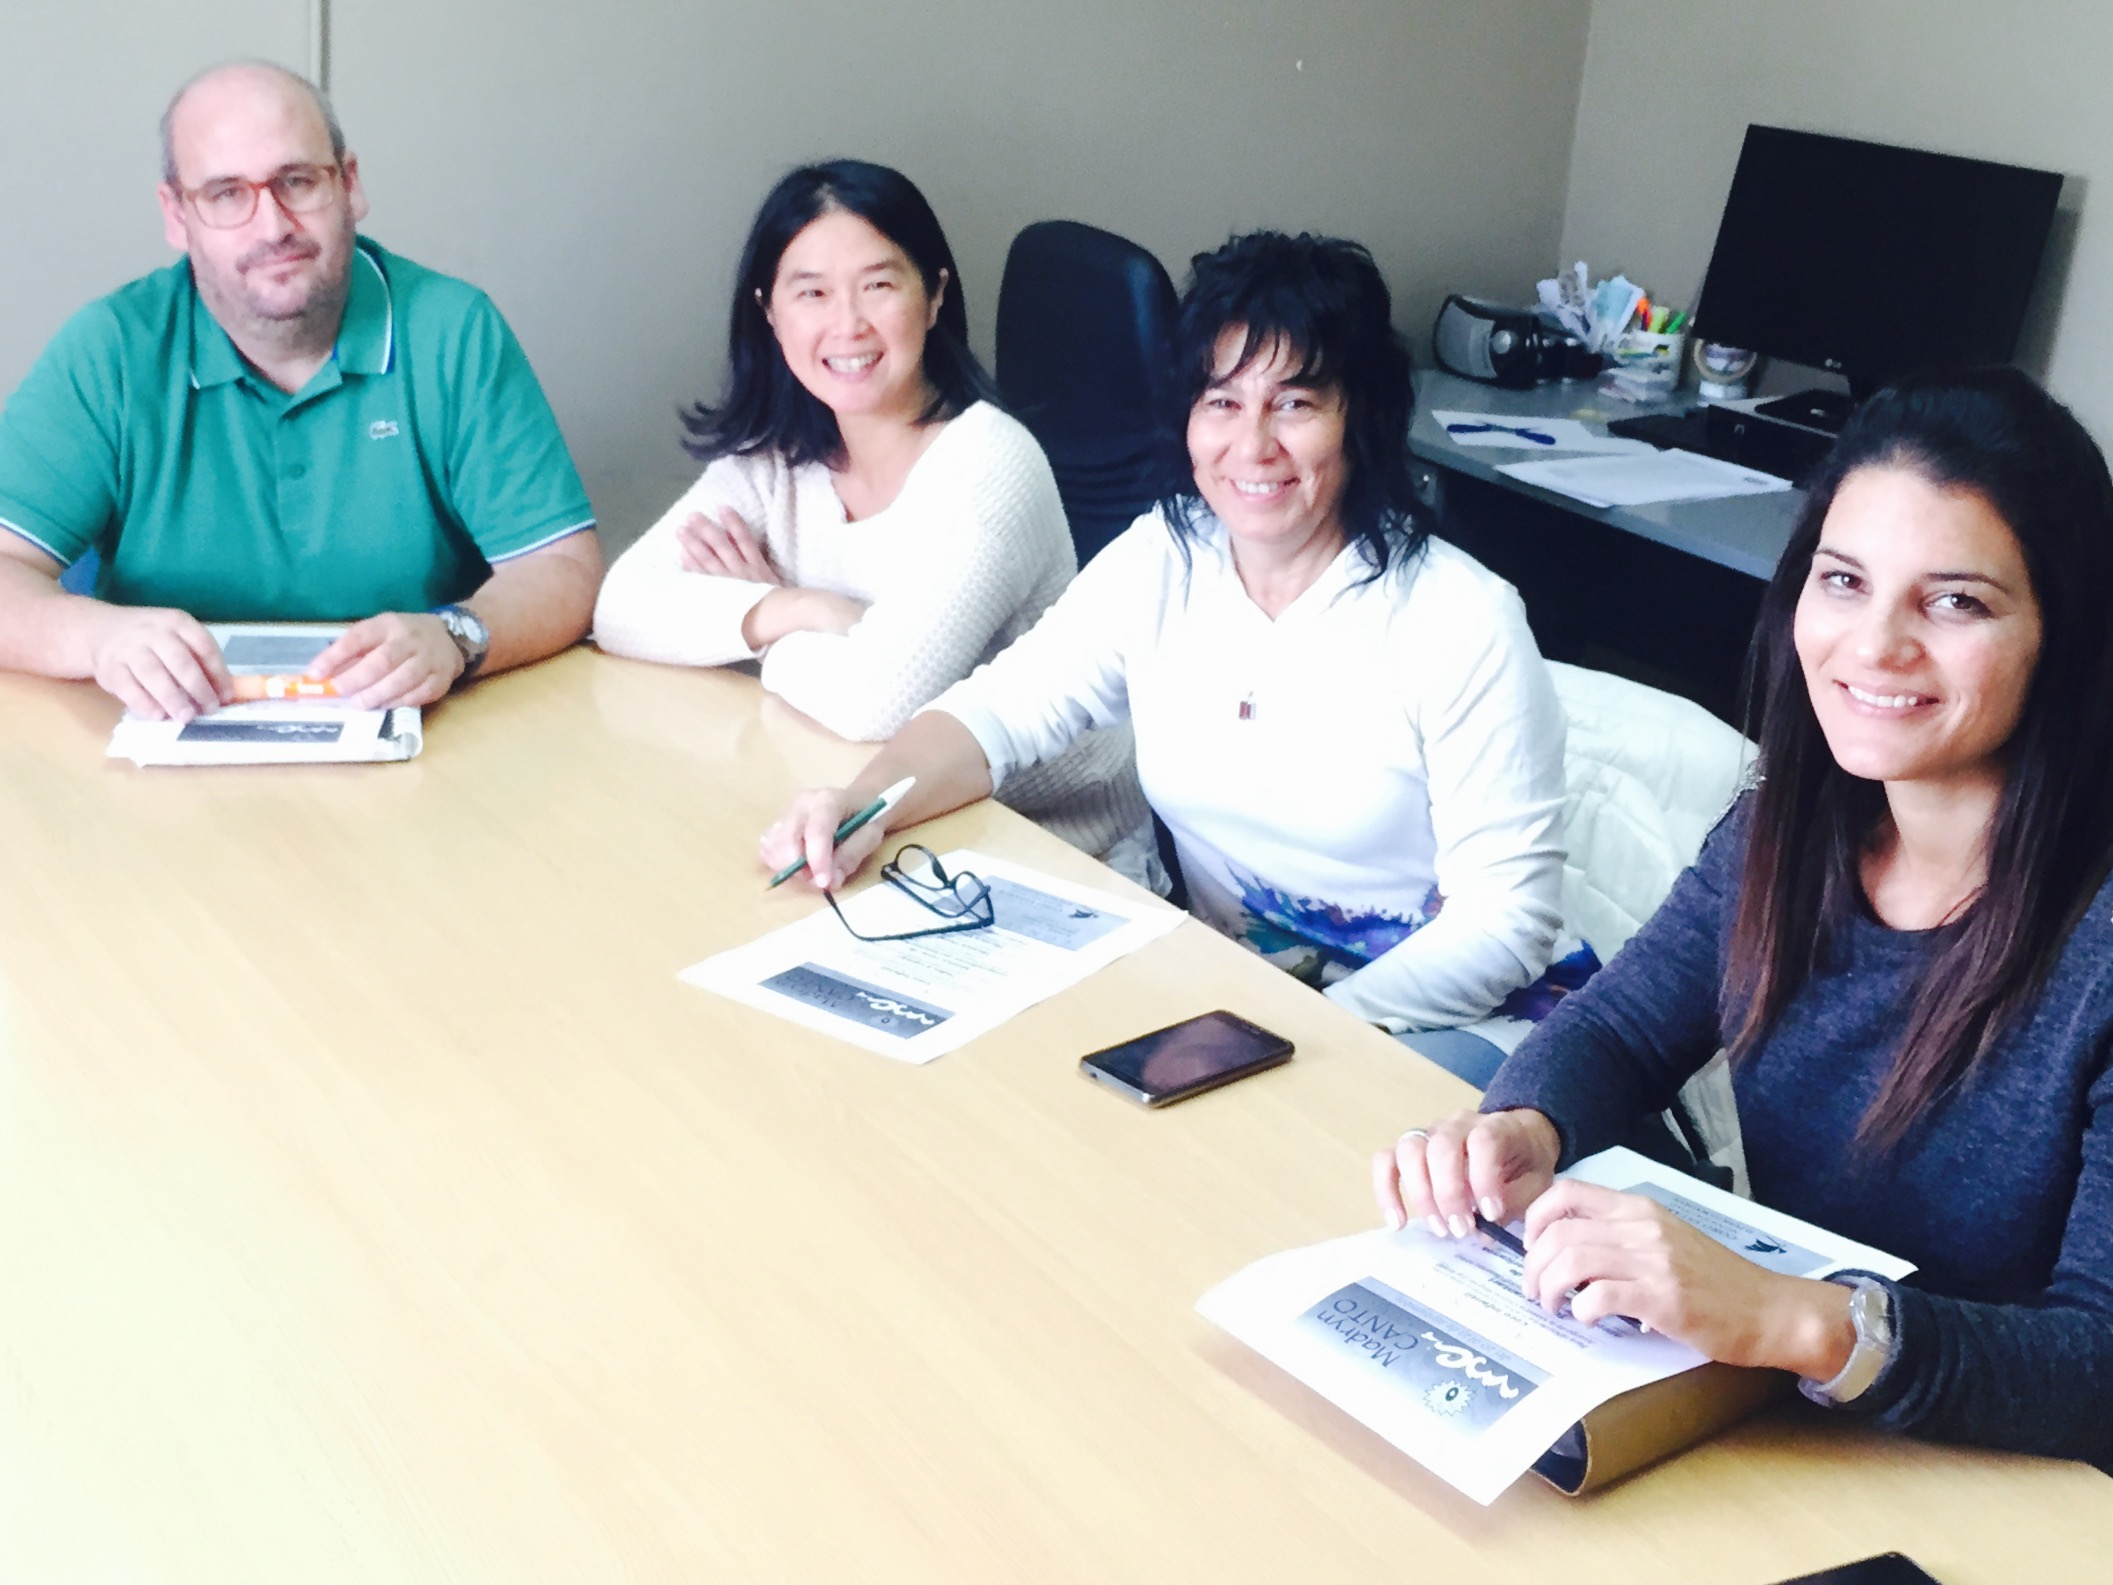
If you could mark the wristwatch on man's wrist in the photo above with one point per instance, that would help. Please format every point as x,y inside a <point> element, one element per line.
<point>470,634</point>
<point>1871,1313</point>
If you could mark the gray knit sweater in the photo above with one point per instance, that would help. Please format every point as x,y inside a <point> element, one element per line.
<point>2002,1194</point>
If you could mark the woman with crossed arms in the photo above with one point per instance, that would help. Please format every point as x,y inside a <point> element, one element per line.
<point>1904,936</point>
<point>868,522</point>
<point>1342,720</point>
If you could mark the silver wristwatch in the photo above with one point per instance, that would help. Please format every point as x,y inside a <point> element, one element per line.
<point>470,634</point>
<point>1871,1313</point>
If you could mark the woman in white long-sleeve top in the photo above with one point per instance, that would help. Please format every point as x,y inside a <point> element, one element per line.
<point>1343,721</point>
<point>868,522</point>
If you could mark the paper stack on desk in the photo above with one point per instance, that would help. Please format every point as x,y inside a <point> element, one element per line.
<point>275,730</point>
<point>1644,478</point>
<point>1431,1343</point>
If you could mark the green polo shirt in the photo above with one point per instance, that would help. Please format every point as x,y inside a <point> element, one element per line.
<point>418,456</point>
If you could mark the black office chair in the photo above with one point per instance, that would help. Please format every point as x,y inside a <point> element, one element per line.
<point>1084,318</point>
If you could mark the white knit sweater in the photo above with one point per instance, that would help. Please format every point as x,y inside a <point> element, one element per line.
<point>1367,789</point>
<point>970,552</point>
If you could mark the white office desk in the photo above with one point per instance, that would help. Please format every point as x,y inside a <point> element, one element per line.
<point>1745,533</point>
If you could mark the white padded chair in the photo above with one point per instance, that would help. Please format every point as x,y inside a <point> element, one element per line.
<point>1648,775</point>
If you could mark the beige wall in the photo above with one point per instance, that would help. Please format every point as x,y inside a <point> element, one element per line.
<point>1670,86</point>
<point>82,84</point>
<point>595,165</point>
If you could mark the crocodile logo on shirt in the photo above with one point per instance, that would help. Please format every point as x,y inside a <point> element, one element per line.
<point>380,429</point>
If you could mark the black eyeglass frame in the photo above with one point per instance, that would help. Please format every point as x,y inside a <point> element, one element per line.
<point>944,895</point>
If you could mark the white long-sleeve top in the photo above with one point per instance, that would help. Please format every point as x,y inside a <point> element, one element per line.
<point>971,551</point>
<point>1367,790</point>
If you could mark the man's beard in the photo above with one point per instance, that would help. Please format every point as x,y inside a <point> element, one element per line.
<point>304,325</point>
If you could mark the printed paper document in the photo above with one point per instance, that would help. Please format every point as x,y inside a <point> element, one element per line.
<point>916,1000</point>
<point>1644,478</point>
<point>275,731</point>
<point>1431,1343</point>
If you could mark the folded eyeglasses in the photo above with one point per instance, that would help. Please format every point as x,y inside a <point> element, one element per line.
<point>962,899</point>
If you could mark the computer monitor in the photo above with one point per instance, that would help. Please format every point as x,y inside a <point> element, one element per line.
<point>1871,261</point>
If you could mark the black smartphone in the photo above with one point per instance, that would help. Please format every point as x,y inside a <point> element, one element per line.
<point>1888,1568</point>
<point>1187,1058</point>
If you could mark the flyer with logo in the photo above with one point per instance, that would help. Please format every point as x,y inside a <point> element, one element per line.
<point>1431,1343</point>
<point>281,717</point>
<point>921,998</point>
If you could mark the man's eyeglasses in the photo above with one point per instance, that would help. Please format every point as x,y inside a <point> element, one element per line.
<point>230,201</point>
<point>961,899</point>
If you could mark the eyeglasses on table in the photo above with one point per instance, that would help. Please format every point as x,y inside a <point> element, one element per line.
<point>961,898</point>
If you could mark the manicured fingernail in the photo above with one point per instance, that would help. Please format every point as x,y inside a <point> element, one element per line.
<point>1460,1225</point>
<point>1493,1208</point>
<point>1437,1227</point>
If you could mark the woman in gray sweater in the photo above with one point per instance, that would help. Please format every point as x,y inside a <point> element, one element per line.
<point>1904,936</point>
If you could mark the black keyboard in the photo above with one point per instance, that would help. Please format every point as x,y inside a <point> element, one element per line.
<point>1788,451</point>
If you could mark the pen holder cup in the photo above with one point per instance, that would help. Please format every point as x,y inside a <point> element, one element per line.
<point>1648,366</point>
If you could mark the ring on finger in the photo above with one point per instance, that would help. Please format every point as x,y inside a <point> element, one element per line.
<point>1416,1133</point>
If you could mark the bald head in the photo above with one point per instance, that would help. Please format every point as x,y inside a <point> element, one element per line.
<point>244,90</point>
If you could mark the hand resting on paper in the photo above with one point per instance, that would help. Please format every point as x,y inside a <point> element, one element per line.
<point>161,664</point>
<point>1498,1163</point>
<point>1609,1253</point>
<point>397,658</point>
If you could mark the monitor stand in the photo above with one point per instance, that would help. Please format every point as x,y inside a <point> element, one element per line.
<point>1813,409</point>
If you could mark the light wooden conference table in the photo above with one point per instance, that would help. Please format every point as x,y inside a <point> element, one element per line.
<point>375,1205</point>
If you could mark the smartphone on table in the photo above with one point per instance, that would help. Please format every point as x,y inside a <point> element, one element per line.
<point>1187,1058</point>
<point>1888,1568</point>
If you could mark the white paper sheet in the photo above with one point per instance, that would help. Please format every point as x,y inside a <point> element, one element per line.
<point>1430,1342</point>
<point>916,1000</point>
<point>276,732</point>
<point>272,734</point>
<point>1515,431</point>
<point>1643,478</point>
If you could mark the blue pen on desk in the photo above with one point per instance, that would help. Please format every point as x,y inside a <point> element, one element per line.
<point>1537,436</point>
<point>866,816</point>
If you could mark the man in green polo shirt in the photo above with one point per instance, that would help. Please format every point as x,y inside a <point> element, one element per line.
<point>290,424</point>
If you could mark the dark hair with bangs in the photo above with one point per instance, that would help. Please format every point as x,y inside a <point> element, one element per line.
<point>1323,298</point>
<point>2049,847</point>
<point>763,406</point>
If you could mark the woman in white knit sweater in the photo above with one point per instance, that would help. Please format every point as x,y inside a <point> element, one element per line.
<point>1343,722</point>
<point>868,523</point>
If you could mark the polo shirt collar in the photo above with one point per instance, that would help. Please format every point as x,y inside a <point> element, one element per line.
<point>366,338</point>
<point>214,360</point>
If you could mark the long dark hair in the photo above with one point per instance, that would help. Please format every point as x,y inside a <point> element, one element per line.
<point>1324,299</point>
<point>2050,843</point>
<point>763,407</point>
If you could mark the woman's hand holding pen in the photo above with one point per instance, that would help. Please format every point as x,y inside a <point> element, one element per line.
<point>807,829</point>
<point>1610,1253</point>
<point>1497,1163</point>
